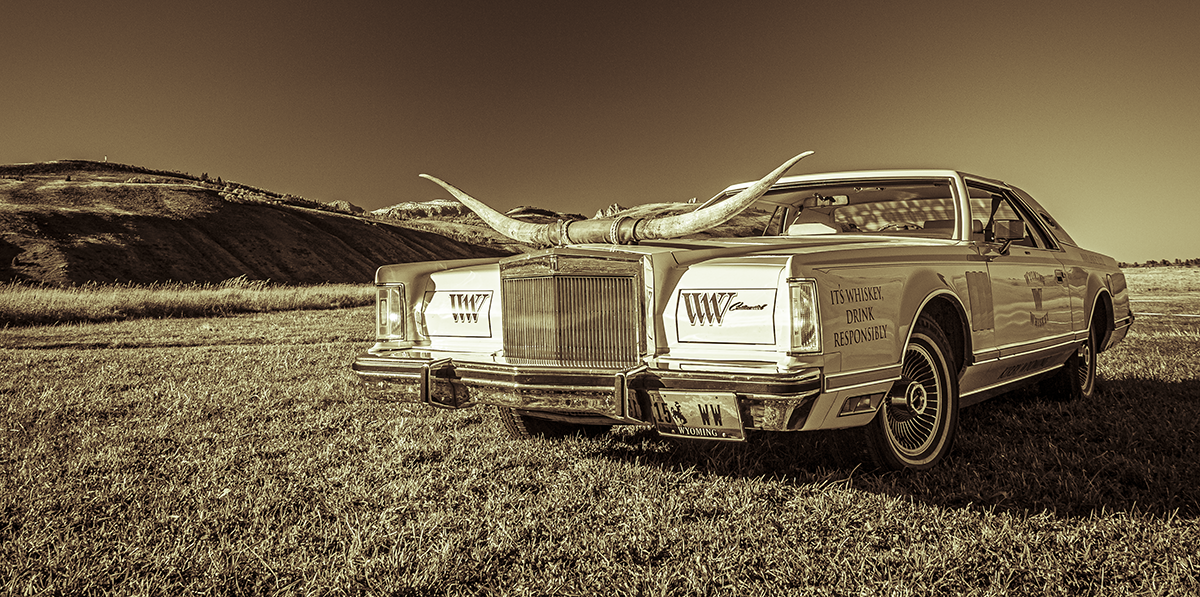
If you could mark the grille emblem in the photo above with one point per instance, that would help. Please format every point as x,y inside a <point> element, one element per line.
<point>706,308</point>
<point>465,307</point>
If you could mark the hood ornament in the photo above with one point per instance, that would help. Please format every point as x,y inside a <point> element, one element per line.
<point>620,230</point>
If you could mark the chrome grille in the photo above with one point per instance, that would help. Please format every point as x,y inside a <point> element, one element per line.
<point>572,320</point>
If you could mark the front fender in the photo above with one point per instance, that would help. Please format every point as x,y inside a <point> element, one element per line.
<point>868,313</point>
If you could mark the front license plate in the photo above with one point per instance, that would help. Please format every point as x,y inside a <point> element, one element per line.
<point>707,415</point>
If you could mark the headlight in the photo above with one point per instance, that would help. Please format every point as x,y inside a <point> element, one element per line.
<point>390,306</point>
<point>806,322</point>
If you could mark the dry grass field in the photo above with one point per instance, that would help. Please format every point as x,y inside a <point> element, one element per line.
<point>227,455</point>
<point>24,304</point>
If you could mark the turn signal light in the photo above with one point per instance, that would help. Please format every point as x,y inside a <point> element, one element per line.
<point>806,321</point>
<point>859,404</point>
<point>390,305</point>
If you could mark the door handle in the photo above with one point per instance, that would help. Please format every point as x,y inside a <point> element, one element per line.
<point>1059,276</point>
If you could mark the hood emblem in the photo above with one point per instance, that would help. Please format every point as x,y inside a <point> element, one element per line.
<point>620,230</point>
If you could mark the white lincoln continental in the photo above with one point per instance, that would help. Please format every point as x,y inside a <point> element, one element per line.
<point>886,300</point>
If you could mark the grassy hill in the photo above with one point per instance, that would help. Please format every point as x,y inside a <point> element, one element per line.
<point>73,222</point>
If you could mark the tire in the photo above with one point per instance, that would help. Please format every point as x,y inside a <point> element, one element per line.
<point>915,426</point>
<point>1077,378</point>
<point>522,426</point>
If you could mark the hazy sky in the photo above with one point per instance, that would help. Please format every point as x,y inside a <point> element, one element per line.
<point>1093,108</point>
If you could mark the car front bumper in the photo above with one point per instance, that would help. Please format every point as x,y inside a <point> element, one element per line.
<point>768,399</point>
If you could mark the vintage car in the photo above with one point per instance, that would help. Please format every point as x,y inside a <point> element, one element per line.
<point>886,300</point>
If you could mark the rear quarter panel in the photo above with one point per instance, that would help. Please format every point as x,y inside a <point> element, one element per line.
<point>1092,276</point>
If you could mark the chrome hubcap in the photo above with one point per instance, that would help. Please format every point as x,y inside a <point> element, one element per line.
<point>914,405</point>
<point>1086,371</point>
<point>917,398</point>
<point>912,402</point>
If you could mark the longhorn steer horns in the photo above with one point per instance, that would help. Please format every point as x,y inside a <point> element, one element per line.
<point>622,229</point>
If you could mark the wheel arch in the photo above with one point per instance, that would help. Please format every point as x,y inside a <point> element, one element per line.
<point>1103,316</point>
<point>944,308</point>
<point>905,432</point>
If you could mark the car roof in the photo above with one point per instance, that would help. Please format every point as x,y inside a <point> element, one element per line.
<point>896,174</point>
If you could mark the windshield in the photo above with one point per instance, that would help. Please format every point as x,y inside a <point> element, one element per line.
<point>925,209</point>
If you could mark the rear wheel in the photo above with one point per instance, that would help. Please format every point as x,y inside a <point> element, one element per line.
<point>915,427</point>
<point>520,425</point>
<point>1077,379</point>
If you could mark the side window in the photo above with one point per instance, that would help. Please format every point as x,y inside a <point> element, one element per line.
<point>1054,227</point>
<point>997,205</point>
<point>774,225</point>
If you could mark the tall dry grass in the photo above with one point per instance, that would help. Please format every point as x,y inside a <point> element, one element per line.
<point>25,305</point>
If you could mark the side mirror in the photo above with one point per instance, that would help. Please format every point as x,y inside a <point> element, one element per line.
<point>1008,231</point>
<point>1005,232</point>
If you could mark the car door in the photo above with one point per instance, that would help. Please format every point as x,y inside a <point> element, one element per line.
<point>1076,262</point>
<point>1032,303</point>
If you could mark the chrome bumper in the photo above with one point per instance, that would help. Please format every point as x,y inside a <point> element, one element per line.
<point>770,401</point>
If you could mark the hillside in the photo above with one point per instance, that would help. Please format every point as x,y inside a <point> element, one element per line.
<point>75,222</point>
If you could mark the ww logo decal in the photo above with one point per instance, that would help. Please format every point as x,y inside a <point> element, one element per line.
<point>706,308</point>
<point>465,307</point>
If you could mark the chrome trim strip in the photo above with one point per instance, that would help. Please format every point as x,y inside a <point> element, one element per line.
<point>1012,380</point>
<point>852,378</point>
<point>769,397</point>
<point>1070,340</point>
<point>1035,344</point>
<point>984,357</point>
<point>981,360</point>
<point>862,385</point>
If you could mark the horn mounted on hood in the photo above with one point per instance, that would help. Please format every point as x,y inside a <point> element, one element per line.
<point>620,230</point>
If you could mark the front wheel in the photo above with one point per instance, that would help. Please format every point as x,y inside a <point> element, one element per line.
<point>915,426</point>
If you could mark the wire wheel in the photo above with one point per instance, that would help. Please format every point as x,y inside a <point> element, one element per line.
<point>914,416</point>
<point>1077,378</point>
<point>1085,367</point>
<point>916,425</point>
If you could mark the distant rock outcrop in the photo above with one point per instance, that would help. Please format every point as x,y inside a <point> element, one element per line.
<point>609,211</point>
<point>410,210</point>
<point>346,207</point>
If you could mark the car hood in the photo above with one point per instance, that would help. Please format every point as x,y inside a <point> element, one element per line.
<point>688,251</point>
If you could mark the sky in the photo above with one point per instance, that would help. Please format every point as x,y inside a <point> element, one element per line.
<point>1091,107</point>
